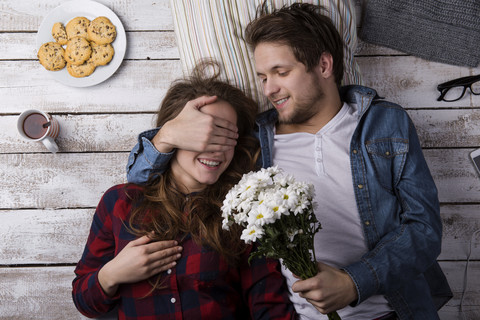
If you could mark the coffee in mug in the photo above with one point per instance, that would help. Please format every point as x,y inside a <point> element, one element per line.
<point>36,125</point>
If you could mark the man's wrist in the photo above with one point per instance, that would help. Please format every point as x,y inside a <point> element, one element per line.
<point>353,297</point>
<point>159,142</point>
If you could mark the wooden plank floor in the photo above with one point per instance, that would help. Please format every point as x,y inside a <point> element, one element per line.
<point>47,201</point>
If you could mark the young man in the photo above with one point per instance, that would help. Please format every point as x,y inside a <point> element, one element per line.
<point>377,201</point>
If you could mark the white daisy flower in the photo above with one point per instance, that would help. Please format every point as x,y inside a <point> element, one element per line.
<point>251,234</point>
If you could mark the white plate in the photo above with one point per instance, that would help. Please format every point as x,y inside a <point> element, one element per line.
<point>90,10</point>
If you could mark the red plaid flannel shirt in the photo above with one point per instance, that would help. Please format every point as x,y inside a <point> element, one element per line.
<point>201,286</point>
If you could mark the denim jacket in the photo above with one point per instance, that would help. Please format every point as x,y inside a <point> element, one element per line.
<point>396,199</point>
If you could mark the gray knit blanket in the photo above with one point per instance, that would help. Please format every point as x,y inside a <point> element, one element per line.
<point>446,31</point>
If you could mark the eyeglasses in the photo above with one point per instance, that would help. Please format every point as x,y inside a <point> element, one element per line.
<point>455,89</point>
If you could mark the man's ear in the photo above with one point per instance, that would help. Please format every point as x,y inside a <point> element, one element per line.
<point>325,65</point>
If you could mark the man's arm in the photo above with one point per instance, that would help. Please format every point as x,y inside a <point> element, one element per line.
<point>145,159</point>
<point>400,256</point>
<point>410,248</point>
<point>191,130</point>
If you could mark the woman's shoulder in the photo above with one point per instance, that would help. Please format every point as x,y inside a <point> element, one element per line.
<point>126,193</point>
<point>124,189</point>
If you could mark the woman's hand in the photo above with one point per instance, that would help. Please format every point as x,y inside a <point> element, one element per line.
<point>139,260</point>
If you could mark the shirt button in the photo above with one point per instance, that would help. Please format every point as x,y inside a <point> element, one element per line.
<point>355,151</point>
<point>360,186</point>
<point>169,271</point>
<point>387,153</point>
<point>367,223</point>
<point>319,160</point>
<point>318,149</point>
<point>173,300</point>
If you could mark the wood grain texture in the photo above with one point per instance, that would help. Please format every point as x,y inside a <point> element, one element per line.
<point>69,180</point>
<point>455,177</point>
<point>43,236</point>
<point>138,85</point>
<point>135,15</point>
<point>48,236</point>
<point>45,292</point>
<point>38,293</point>
<point>459,225</point>
<point>447,128</point>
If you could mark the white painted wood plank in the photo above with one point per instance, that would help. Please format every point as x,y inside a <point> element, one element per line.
<point>46,292</point>
<point>453,313</point>
<point>58,236</point>
<point>140,45</point>
<point>135,15</point>
<point>15,46</point>
<point>412,82</point>
<point>137,86</point>
<point>459,224</point>
<point>118,132</point>
<point>62,180</point>
<point>454,175</point>
<point>454,272</point>
<point>447,128</point>
<point>43,236</point>
<point>38,293</point>
<point>71,180</point>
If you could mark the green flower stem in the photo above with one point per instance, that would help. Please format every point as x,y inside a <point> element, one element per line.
<point>333,316</point>
<point>302,265</point>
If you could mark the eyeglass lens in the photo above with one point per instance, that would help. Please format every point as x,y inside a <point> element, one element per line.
<point>455,93</point>
<point>475,87</point>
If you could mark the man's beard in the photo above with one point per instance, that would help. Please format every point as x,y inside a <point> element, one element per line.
<point>303,110</point>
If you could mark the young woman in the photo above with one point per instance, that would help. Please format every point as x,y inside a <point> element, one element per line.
<point>158,251</point>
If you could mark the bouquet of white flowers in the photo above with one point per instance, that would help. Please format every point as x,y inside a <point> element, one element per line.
<point>276,212</point>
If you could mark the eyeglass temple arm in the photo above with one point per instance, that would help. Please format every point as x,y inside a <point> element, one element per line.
<point>464,81</point>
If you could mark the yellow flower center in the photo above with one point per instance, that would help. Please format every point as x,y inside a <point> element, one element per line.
<point>275,209</point>
<point>285,196</point>
<point>252,232</point>
<point>260,216</point>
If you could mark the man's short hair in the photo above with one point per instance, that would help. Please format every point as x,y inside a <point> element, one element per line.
<point>302,27</point>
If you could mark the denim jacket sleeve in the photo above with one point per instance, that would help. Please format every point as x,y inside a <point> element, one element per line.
<point>401,214</point>
<point>145,159</point>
